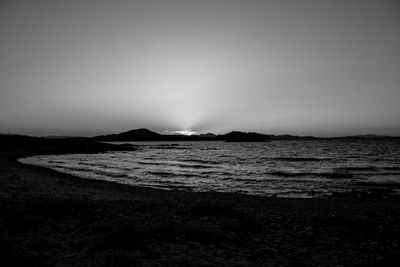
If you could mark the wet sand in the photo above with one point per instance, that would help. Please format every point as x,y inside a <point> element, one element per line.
<point>53,219</point>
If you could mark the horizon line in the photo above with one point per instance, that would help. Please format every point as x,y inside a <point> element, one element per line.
<point>194,133</point>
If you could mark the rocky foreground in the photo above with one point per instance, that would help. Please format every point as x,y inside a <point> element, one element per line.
<point>53,219</point>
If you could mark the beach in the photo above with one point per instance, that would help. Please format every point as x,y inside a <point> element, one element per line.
<point>54,219</point>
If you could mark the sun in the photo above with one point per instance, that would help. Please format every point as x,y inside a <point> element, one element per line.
<point>185,132</point>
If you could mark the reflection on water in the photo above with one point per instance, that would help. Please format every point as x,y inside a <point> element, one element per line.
<point>281,168</point>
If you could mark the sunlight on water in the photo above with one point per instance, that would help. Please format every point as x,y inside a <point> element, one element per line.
<point>278,168</point>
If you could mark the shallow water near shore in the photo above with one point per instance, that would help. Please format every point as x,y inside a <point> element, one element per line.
<point>278,168</point>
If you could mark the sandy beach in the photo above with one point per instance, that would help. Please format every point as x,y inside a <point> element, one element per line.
<point>53,219</point>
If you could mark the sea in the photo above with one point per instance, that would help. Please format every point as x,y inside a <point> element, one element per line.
<point>280,168</point>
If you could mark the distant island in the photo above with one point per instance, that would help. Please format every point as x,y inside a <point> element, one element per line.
<point>143,134</point>
<point>234,136</point>
<point>147,135</point>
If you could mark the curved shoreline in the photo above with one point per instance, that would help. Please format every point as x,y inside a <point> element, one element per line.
<point>364,189</point>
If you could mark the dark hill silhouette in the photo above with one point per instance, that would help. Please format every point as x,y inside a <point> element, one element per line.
<point>147,135</point>
<point>237,136</point>
<point>43,145</point>
<point>366,136</point>
<point>208,135</point>
<point>234,136</point>
<point>132,135</point>
<point>293,137</point>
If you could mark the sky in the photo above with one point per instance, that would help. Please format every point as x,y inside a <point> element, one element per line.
<point>311,67</point>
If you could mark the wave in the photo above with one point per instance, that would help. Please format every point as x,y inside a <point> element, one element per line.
<point>391,168</point>
<point>176,164</point>
<point>129,168</point>
<point>358,168</point>
<point>386,160</point>
<point>193,166</point>
<point>167,147</point>
<point>202,161</point>
<point>111,173</point>
<point>289,174</point>
<point>170,187</point>
<point>56,161</point>
<point>297,159</point>
<point>175,174</point>
<point>73,167</point>
<point>150,163</point>
<point>162,173</point>
<point>383,180</point>
<point>330,175</point>
<point>95,164</point>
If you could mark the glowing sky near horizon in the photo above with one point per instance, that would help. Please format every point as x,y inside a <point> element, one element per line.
<point>313,67</point>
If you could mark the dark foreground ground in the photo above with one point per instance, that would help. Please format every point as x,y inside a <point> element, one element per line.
<point>53,219</point>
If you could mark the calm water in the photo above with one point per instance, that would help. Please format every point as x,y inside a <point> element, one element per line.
<point>281,168</point>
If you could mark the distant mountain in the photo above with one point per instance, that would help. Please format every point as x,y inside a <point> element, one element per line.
<point>60,136</point>
<point>207,135</point>
<point>132,135</point>
<point>365,136</point>
<point>234,136</point>
<point>43,145</point>
<point>237,136</point>
<point>292,137</point>
<point>351,137</point>
<point>147,135</point>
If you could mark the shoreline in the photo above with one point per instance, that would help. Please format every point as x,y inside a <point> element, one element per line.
<point>50,218</point>
<point>365,189</point>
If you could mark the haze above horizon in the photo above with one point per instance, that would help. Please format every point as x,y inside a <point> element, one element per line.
<point>314,67</point>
